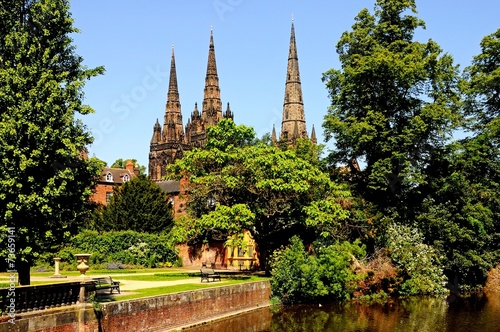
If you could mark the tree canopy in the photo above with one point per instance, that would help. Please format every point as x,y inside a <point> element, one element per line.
<point>139,205</point>
<point>395,104</point>
<point>460,213</point>
<point>394,101</point>
<point>45,179</point>
<point>270,192</point>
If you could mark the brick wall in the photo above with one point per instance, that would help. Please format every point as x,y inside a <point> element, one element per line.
<point>178,309</point>
<point>64,319</point>
<point>147,314</point>
<point>194,255</point>
<point>99,195</point>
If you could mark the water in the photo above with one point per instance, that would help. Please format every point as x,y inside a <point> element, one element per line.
<point>475,314</point>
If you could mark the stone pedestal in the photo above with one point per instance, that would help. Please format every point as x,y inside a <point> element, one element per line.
<point>56,267</point>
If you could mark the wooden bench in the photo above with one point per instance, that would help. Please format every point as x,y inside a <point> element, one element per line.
<point>106,283</point>
<point>207,274</point>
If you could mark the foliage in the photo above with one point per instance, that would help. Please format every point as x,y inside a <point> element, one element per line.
<point>298,277</point>
<point>122,163</point>
<point>127,247</point>
<point>140,205</point>
<point>268,191</point>
<point>460,211</point>
<point>419,264</point>
<point>483,83</point>
<point>393,102</point>
<point>44,179</point>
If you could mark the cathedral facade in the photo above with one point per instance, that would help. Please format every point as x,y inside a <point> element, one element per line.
<point>170,141</point>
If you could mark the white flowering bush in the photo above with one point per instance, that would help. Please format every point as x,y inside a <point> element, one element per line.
<point>418,263</point>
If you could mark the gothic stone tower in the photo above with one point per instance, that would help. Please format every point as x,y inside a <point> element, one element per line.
<point>170,142</point>
<point>212,106</point>
<point>293,124</point>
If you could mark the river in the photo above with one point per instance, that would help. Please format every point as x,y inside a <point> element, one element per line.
<point>473,314</point>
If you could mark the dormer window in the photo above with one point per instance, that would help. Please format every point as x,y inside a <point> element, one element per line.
<point>126,178</point>
<point>109,177</point>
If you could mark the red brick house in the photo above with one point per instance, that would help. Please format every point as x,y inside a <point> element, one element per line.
<point>111,177</point>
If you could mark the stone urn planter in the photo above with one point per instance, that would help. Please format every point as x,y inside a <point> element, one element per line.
<point>82,260</point>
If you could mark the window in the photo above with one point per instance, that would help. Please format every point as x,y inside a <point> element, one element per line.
<point>108,197</point>
<point>126,178</point>
<point>109,177</point>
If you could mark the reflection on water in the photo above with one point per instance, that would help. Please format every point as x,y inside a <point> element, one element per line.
<point>475,314</point>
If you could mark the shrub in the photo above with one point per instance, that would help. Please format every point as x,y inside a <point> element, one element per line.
<point>380,276</point>
<point>119,248</point>
<point>418,263</point>
<point>298,277</point>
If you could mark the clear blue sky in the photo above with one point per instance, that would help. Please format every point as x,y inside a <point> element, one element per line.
<point>133,40</point>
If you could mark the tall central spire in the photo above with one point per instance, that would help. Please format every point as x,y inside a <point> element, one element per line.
<point>212,105</point>
<point>172,127</point>
<point>293,124</point>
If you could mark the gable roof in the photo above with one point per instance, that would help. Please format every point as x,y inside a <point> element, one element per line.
<point>117,173</point>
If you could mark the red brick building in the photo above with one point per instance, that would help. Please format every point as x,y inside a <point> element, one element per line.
<point>110,178</point>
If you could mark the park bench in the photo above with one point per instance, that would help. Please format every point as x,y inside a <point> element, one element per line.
<point>207,274</point>
<point>106,283</point>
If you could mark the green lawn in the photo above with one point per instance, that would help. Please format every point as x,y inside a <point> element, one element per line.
<point>105,272</point>
<point>180,288</point>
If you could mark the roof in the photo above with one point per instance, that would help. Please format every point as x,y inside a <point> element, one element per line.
<point>117,175</point>
<point>170,186</point>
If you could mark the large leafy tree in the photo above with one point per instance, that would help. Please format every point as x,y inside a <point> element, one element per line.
<point>139,205</point>
<point>270,192</point>
<point>394,101</point>
<point>44,178</point>
<point>461,211</point>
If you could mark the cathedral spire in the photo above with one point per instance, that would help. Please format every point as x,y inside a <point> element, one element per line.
<point>212,105</point>
<point>156,133</point>
<point>293,125</point>
<point>273,136</point>
<point>172,125</point>
<point>313,136</point>
<point>228,114</point>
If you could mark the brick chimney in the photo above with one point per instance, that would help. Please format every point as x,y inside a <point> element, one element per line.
<point>129,166</point>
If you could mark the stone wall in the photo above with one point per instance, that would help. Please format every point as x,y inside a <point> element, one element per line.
<point>146,314</point>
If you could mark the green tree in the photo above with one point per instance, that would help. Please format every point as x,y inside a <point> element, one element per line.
<point>122,163</point>
<point>483,85</point>
<point>139,205</point>
<point>299,276</point>
<point>44,179</point>
<point>461,214</point>
<point>394,101</point>
<point>265,190</point>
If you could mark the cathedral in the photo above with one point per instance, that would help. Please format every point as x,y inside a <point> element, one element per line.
<point>173,139</point>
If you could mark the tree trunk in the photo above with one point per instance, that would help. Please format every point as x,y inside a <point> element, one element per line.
<point>23,270</point>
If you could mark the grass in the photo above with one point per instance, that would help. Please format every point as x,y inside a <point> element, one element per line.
<point>140,293</point>
<point>168,271</point>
